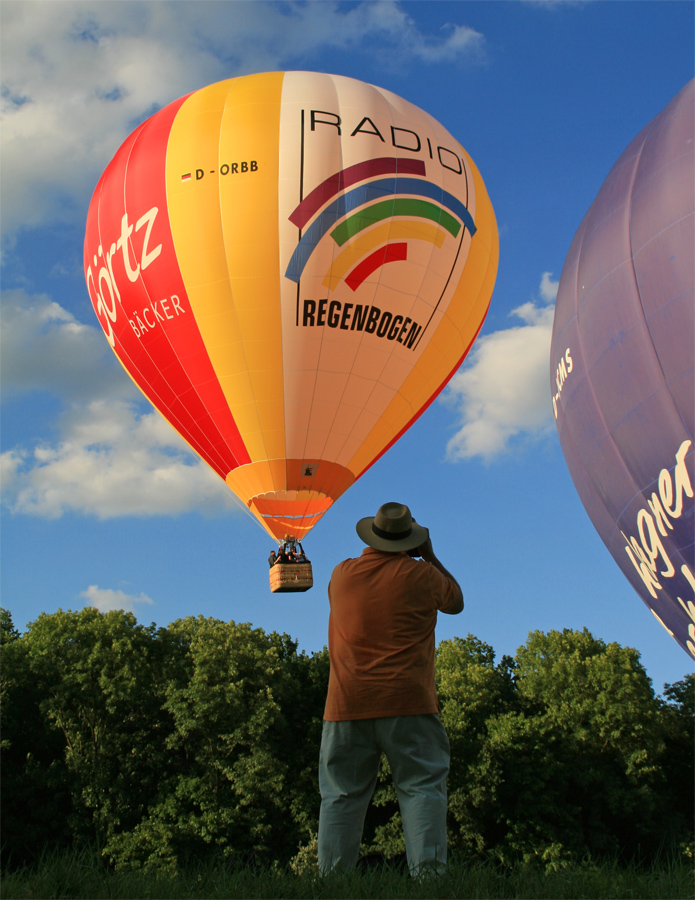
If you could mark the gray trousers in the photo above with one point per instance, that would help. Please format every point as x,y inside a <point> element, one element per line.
<point>417,748</point>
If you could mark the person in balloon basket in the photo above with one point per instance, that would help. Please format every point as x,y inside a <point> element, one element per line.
<point>381,691</point>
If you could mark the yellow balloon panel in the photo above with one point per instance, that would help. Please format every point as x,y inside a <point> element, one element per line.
<point>228,133</point>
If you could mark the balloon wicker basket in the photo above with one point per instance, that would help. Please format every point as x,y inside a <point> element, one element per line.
<point>286,577</point>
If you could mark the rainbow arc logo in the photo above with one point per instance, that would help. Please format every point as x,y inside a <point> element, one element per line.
<point>371,210</point>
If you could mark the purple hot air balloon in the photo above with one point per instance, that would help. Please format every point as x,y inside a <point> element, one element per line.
<point>622,365</point>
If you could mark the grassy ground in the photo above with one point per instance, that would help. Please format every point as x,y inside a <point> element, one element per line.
<point>75,876</point>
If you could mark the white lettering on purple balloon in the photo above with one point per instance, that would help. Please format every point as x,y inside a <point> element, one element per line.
<point>564,369</point>
<point>646,551</point>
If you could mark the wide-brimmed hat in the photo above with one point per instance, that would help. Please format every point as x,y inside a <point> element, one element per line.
<point>392,529</point>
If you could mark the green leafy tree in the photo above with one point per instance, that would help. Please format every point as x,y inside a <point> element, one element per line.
<point>594,784</point>
<point>96,680</point>
<point>303,713</point>
<point>677,713</point>
<point>8,632</point>
<point>162,745</point>
<point>473,693</point>
<point>35,801</point>
<point>245,708</point>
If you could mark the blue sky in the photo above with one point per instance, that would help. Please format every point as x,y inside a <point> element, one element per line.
<point>103,504</point>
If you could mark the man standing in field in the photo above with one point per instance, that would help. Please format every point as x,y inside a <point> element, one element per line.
<point>381,691</point>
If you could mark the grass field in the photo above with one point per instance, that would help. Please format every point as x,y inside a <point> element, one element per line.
<point>74,875</point>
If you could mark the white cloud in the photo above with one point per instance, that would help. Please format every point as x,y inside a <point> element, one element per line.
<point>114,456</point>
<point>78,76</point>
<point>44,348</point>
<point>106,600</point>
<point>393,27</point>
<point>112,460</point>
<point>503,393</point>
<point>548,288</point>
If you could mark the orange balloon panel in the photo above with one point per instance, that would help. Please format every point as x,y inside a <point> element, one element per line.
<point>291,266</point>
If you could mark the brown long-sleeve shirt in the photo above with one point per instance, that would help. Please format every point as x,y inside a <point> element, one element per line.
<point>381,635</point>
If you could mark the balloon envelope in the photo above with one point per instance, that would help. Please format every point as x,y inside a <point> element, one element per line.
<point>622,365</point>
<point>290,266</point>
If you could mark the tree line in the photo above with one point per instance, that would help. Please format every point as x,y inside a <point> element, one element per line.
<point>201,739</point>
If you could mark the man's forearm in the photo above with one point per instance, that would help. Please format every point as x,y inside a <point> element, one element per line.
<point>430,556</point>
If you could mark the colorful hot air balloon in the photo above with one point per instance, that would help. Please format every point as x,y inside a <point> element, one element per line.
<point>290,266</point>
<point>622,362</point>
